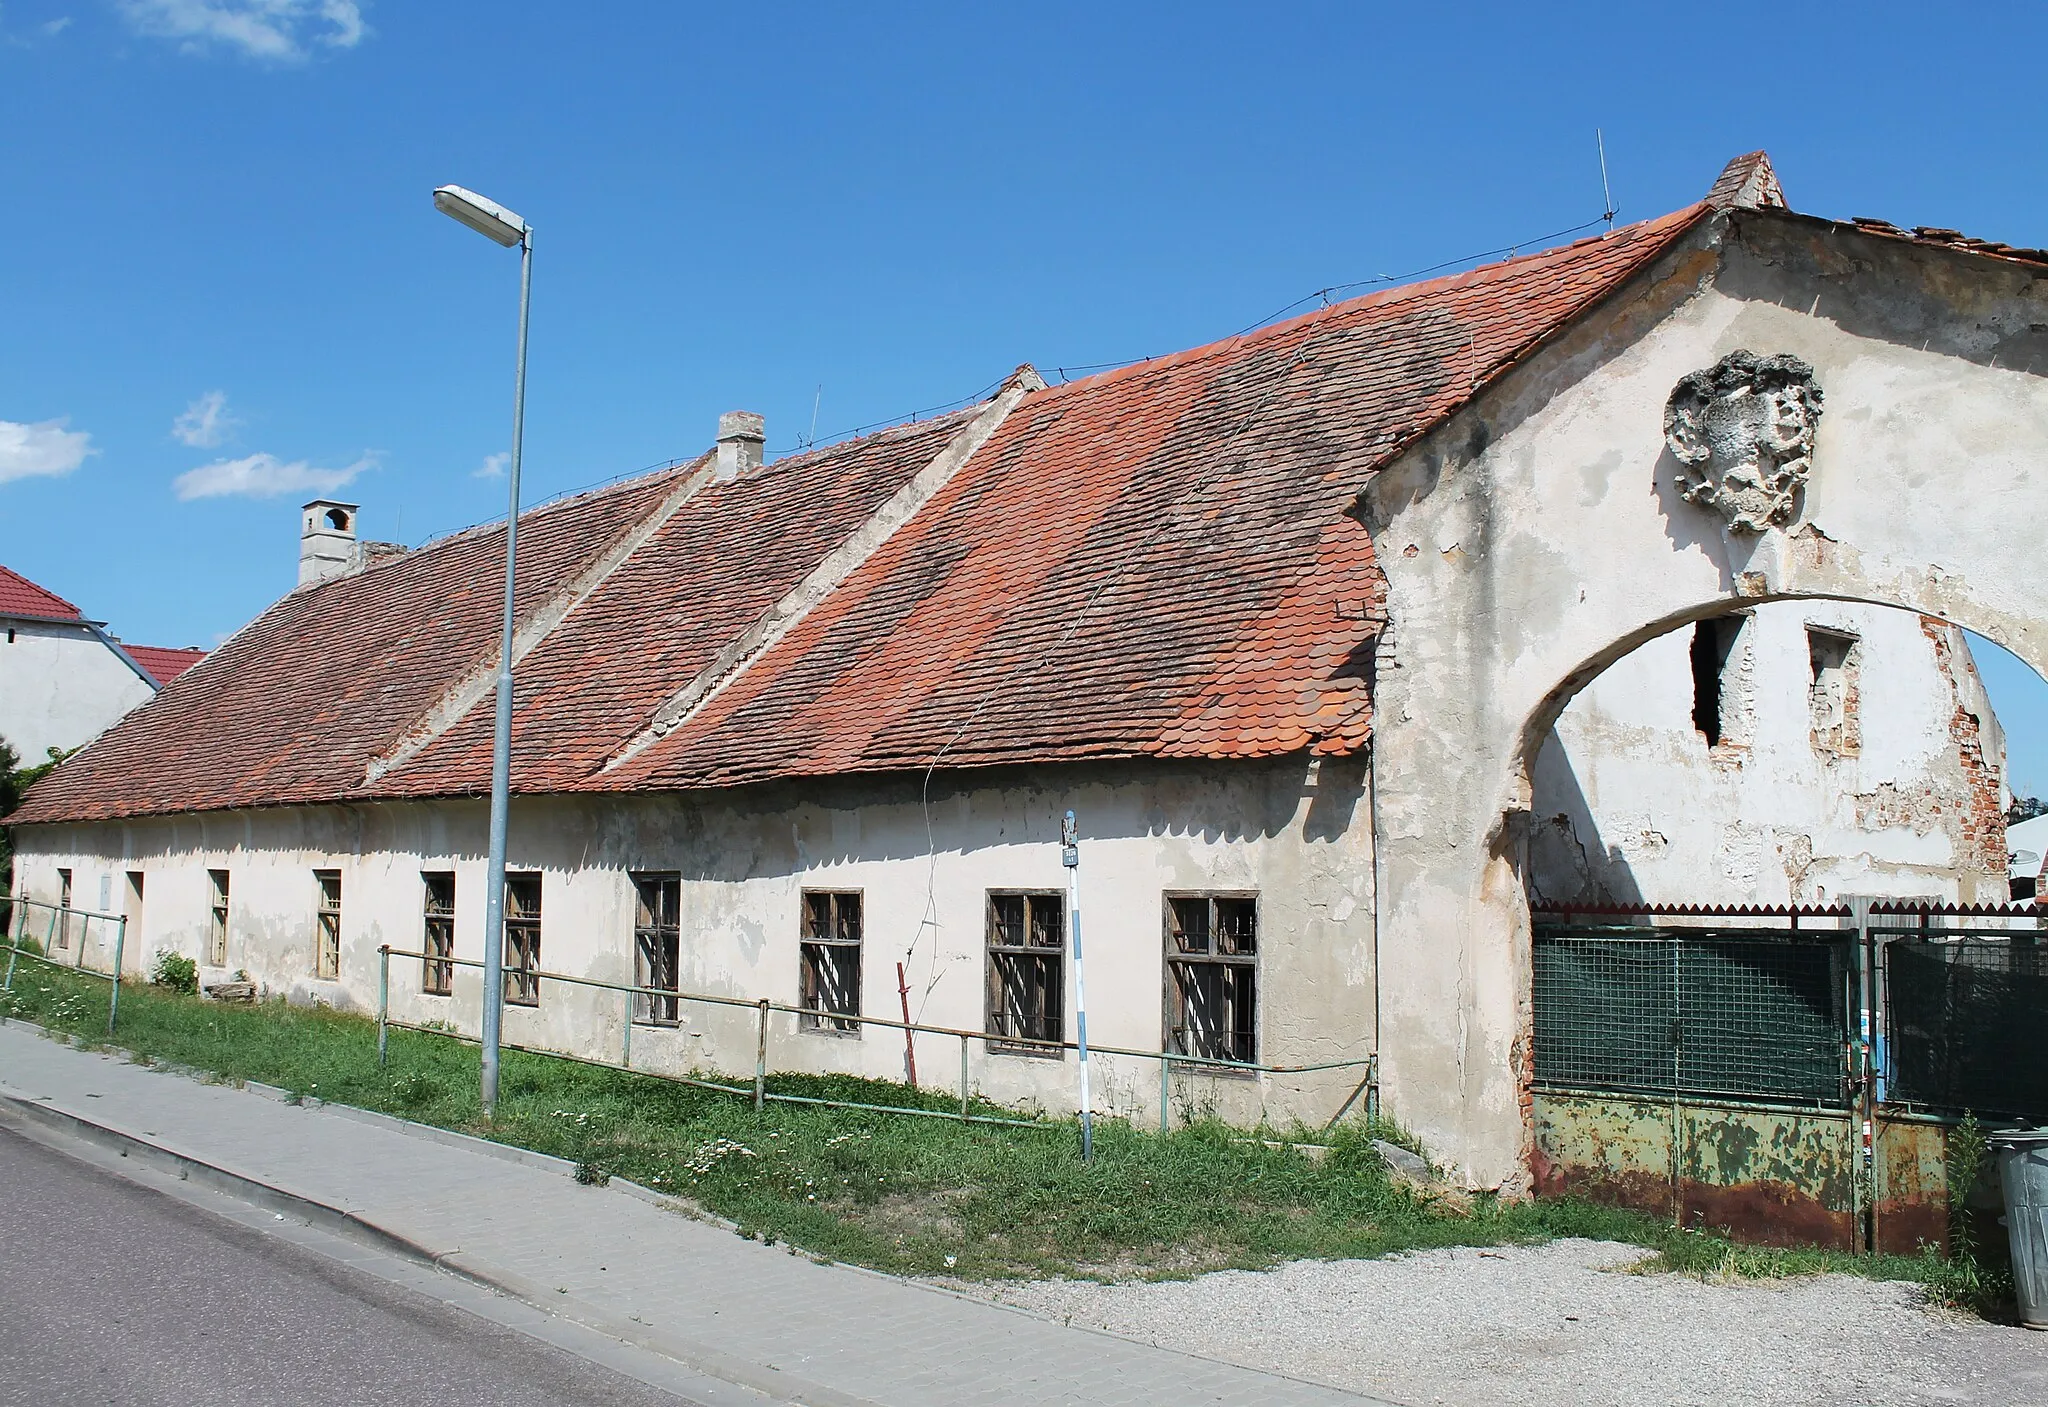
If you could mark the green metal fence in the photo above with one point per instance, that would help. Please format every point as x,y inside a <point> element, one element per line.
<point>56,936</point>
<point>1964,996</point>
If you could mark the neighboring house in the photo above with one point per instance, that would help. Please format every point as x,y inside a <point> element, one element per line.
<point>63,679</point>
<point>2026,846</point>
<point>1802,752</point>
<point>1284,620</point>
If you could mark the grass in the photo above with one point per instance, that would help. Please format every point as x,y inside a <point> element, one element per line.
<point>910,1195</point>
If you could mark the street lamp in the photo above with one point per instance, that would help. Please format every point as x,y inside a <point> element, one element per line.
<point>495,222</point>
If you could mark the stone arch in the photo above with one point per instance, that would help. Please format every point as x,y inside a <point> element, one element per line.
<point>1545,531</point>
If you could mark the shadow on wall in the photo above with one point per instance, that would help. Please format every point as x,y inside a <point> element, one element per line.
<point>1569,861</point>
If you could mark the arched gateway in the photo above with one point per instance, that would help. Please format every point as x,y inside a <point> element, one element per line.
<point>1780,407</point>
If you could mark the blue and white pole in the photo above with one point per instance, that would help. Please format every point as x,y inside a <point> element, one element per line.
<point>1070,856</point>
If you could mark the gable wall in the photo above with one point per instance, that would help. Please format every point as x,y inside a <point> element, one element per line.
<point>61,687</point>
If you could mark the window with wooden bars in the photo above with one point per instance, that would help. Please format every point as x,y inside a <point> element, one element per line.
<point>1212,976</point>
<point>657,947</point>
<point>829,954</point>
<point>327,924</point>
<point>63,924</point>
<point>522,939</point>
<point>1027,970</point>
<point>217,926</point>
<point>437,932</point>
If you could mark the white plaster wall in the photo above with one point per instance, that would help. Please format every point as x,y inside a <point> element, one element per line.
<point>60,687</point>
<point>1632,805</point>
<point>1299,835</point>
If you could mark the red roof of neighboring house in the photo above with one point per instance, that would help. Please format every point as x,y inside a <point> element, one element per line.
<point>163,662</point>
<point>1161,561</point>
<point>24,600</point>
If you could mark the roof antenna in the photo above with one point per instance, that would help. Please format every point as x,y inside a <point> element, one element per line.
<point>1606,194</point>
<point>811,440</point>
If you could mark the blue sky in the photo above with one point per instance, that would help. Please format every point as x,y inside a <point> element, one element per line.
<point>220,266</point>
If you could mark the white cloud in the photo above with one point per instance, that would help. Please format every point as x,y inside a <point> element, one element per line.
<point>493,467</point>
<point>45,447</point>
<point>206,421</point>
<point>282,31</point>
<point>55,27</point>
<point>264,476</point>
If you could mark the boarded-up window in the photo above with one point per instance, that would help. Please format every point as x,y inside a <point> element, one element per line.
<point>217,919</point>
<point>1212,974</point>
<point>522,939</point>
<point>1027,970</point>
<point>437,932</point>
<point>657,947</point>
<point>327,924</point>
<point>829,980</point>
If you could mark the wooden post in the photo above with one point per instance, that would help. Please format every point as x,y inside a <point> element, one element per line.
<point>909,1038</point>
<point>761,1061</point>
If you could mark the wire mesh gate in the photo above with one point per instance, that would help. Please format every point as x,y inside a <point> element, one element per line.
<point>1963,994</point>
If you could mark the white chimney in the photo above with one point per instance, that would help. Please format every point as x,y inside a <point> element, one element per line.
<point>327,539</point>
<point>741,434</point>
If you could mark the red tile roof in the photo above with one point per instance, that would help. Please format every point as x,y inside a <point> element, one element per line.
<point>1161,561</point>
<point>163,662</point>
<point>22,599</point>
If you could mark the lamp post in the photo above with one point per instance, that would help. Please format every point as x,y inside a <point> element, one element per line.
<point>495,222</point>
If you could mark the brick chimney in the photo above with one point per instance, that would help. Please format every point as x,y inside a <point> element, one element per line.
<point>741,434</point>
<point>327,539</point>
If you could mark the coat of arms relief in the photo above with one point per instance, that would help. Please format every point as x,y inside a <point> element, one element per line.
<point>1743,429</point>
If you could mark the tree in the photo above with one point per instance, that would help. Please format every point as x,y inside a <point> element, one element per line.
<point>15,780</point>
<point>2025,808</point>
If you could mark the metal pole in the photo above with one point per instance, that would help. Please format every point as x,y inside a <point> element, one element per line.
<point>1070,856</point>
<point>501,742</point>
<point>1165,1091</point>
<point>20,929</point>
<point>761,1061</point>
<point>383,1003</point>
<point>114,995</point>
<point>963,1077</point>
<point>626,1055</point>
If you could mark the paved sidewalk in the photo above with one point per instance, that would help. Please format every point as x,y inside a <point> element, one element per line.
<point>828,1335</point>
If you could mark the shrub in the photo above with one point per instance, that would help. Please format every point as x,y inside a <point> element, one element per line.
<point>177,972</point>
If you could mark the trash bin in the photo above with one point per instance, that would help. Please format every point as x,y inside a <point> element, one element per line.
<point>2023,1169</point>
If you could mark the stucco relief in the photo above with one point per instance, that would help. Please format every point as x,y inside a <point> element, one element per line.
<point>1744,432</point>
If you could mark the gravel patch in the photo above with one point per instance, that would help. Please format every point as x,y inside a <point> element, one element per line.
<point>1565,1324</point>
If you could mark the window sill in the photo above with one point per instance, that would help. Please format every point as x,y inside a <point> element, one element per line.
<point>1025,1050</point>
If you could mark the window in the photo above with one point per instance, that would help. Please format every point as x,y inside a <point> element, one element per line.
<point>437,936</point>
<point>1835,695</point>
<point>327,925</point>
<point>657,942</point>
<point>522,939</point>
<point>63,908</point>
<point>1713,644</point>
<point>1212,976</point>
<point>1027,968</point>
<point>217,925</point>
<point>829,980</point>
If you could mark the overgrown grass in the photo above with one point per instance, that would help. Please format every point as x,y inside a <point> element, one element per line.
<point>904,1194</point>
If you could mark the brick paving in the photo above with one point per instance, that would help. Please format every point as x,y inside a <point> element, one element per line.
<point>832,1335</point>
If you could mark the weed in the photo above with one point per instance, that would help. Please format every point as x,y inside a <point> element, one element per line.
<point>176,972</point>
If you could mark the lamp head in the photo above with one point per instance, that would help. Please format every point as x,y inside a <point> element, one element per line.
<point>480,213</point>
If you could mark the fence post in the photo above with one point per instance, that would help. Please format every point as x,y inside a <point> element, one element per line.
<point>114,993</point>
<point>383,1003</point>
<point>963,1077</point>
<point>1165,1090</point>
<point>14,939</point>
<point>761,1061</point>
<point>626,1042</point>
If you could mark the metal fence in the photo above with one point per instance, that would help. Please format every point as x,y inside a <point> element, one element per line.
<point>1964,997</point>
<point>1724,1003</point>
<point>60,933</point>
<point>961,1107</point>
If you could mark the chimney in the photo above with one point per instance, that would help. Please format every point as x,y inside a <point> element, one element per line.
<point>327,539</point>
<point>741,433</point>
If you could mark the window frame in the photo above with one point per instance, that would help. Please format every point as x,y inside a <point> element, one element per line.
<point>812,950</point>
<point>437,934</point>
<point>327,925</point>
<point>63,907</point>
<point>1001,1041</point>
<point>522,941</point>
<point>218,882</point>
<point>1181,964</point>
<point>649,928</point>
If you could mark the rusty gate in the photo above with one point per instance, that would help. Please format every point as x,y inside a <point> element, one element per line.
<point>1788,1074</point>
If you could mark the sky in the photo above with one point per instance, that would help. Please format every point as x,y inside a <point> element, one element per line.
<point>224,288</point>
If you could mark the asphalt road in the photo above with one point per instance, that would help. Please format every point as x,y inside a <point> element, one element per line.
<point>111,1293</point>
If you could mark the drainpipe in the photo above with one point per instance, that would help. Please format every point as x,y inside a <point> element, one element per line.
<point>1070,856</point>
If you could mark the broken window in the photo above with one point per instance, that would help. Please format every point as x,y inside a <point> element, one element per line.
<point>1837,661</point>
<point>1212,975</point>
<point>437,935</point>
<point>829,957</point>
<point>1713,645</point>
<point>217,925</point>
<point>327,924</point>
<point>522,939</point>
<point>63,908</point>
<point>1027,968</point>
<point>657,945</point>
